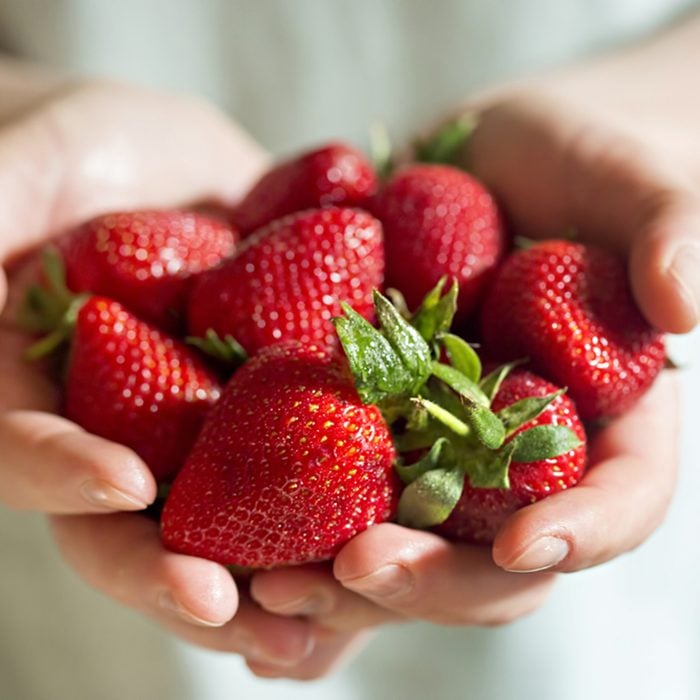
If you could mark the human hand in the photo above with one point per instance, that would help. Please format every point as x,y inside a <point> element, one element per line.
<point>80,152</point>
<point>553,170</point>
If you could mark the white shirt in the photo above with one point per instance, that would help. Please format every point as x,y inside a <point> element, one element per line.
<point>295,72</point>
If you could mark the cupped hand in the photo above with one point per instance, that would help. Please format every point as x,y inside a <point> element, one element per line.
<point>559,166</point>
<point>555,167</point>
<point>79,152</point>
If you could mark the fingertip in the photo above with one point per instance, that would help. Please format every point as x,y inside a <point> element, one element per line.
<point>665,274</point>
<point>200,591</point>
<point>526,545</point>
<point>374,548</point>
<point>53,465</point>
<point>116,478</point>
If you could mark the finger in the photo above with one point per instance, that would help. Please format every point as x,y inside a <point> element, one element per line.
<point>331,651</point>
<point>665,264</point>
<point>312,591</point>
<point>615,507</point>
<point>604,183</point>
<point>419,574</point>
<point>52,465</point>
<point>122,556</point>
<point>102,147</point>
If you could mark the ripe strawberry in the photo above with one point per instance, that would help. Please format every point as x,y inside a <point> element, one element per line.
<point>286,281</point>
<point>131,383</point>
<point>569,308</point>
<point>485,446</point>
<point>333,174</point>
<point>439,221</point>
<point>289,466</point>
<point>480,512</point>
<point>145,259</point>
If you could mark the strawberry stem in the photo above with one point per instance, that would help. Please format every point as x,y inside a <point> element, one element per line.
<point>443,416</point>
<point>381,150</point>
<point>61,334</point>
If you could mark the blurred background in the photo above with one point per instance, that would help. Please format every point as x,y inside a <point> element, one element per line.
<point>295,73</point>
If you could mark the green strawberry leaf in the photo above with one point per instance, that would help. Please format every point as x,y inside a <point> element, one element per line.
<point>489,469</point>
<point>447,144</point>
<point>430,499</point>
<point>462,356</point>
<point>439,455</point>
<point>435,314</point>
<point>406,341</point>
<point>525,410</point>
<point>378,370</point>
<point>226,349</point>
<point>491,383</point>
<point>442,394</point>
<point>61,334</point>
<point>399,301</point>
<point>485,423</point>
<point>544,442</point>
<point>416,440</point>
<point>462,384</point>
<point>40,311</point>
<point>45,304</point>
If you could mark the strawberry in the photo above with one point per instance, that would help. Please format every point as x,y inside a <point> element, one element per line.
<point>145,259</point>
<point>335,174</point>
<point>439,221</point>
<point>484,446</point>
<point>568,307</point>
<point>125,379</point>
<point>129,382</point>
<point>286,281</point>
<point>289,466</point>
<point>480,512</point>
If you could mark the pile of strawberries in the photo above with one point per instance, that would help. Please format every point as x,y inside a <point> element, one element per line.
<point>257,365</point>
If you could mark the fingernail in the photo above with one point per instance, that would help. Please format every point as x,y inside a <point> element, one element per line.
<point>167,602</point>
<point>313,605</point>
<point>684,270</point>
<point>100,493</point>
<point>389,580</point>
<point>252,650</point>
<point>540,555</point>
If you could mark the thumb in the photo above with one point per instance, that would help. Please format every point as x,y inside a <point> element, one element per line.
<point>556,169</point>
<point>665,265</point>
<point>102,146</point>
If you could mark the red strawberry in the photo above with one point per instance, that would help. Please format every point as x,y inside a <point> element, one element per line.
<point>289,466</point>
<point>287,281</point>
<point>333,174</point>
<point>131,383</point>
<point>145,259</point>
<point>488,445</point>
<point>569,308</point>
<point>439,221</point>
<point>480,512</point>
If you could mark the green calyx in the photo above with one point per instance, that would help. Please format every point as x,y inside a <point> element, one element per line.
<point>442,409</point>
<point>381,150</point>
<point>226,350</point>
<point>447,145</point>
<point>50,307</point>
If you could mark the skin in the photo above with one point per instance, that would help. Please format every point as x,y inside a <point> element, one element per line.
<point>67,153</point>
